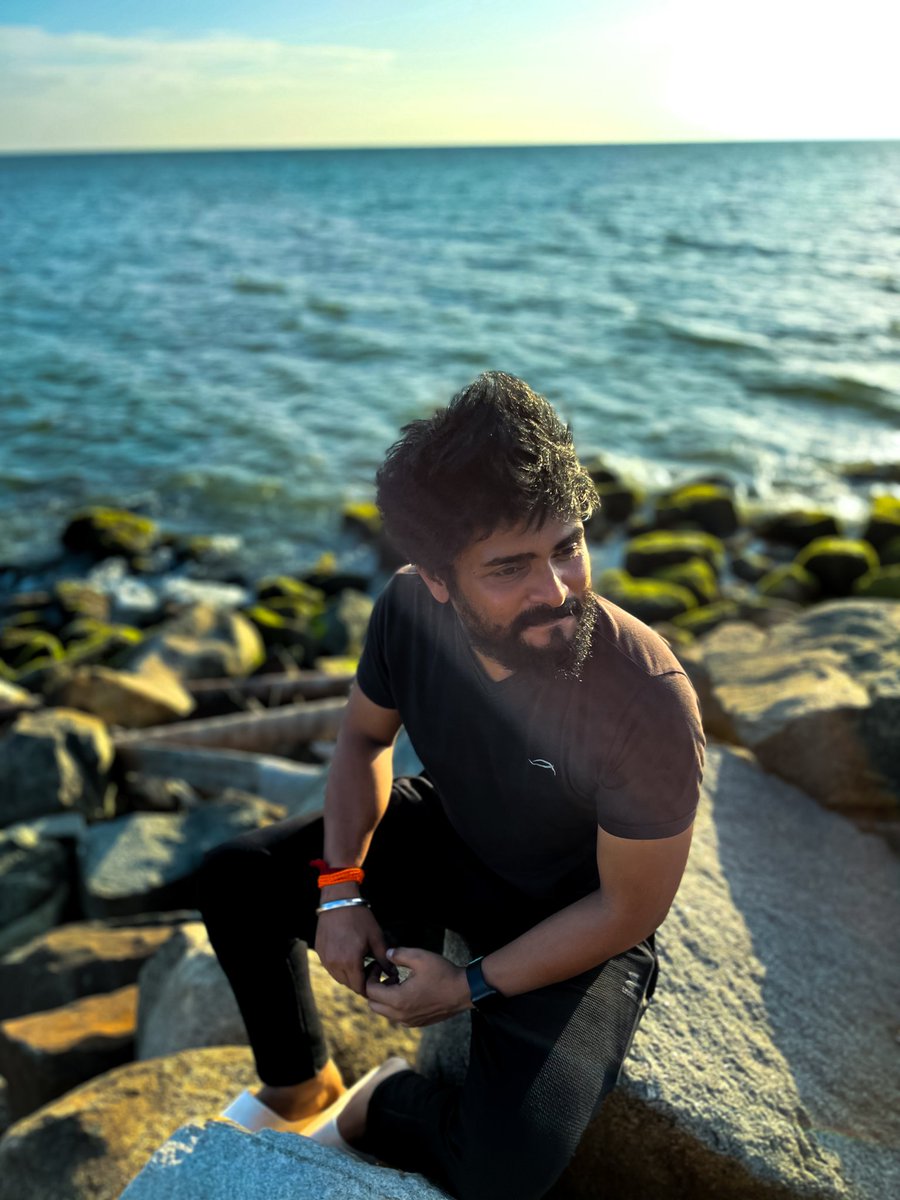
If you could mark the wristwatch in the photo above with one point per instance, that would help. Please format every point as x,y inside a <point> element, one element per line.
<point>484,997</point>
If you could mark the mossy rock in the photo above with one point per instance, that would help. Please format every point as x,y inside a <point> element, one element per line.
<point>278,629</point>
<point>79,599</point>
<point>709,506</point>
<point>751,566</point>
<point>20,647</point>
<point>790,582</point>
<point>884,521</point>
<point>599,472</point>
<point>24,619</point>
<point>84,629</point>
<point>362,516</point>
<point>102,532</point>
<point>882,583</point>
<point>889,553</point>
<point>798,528</point>
<point>651,552</point>
<point>341,628</point>
<point>339,665</point>
<point>697,575</point>
<point>837,563</point>
<point>301,596</point>
<point>649,600</point>
<point>707,616</point>
<point>617,502</point>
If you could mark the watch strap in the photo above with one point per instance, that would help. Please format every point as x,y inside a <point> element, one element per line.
<point>480,991</point>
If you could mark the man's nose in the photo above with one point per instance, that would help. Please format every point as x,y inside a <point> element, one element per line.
<point>549,588</point>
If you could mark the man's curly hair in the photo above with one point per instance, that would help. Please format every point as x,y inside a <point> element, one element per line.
<point>497,455</point>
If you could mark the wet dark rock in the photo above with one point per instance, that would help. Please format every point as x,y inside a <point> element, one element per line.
<point>651,552</point>
<point>649,600</point>
<point>696,575</point>
<point>34,884</point>
<point>883,582</point>
<point>837,563</point>
<point>884,521</point>
<point>104,532</point>
<point>797,528</point>
<point>790,582</point>
<point>708,506</point>
<point>751,566</point>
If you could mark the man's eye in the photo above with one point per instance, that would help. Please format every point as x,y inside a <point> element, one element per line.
<point>507,572</point>
<point>570,550</point>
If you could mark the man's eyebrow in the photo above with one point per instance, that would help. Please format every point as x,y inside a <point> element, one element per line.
<point>503,559</point>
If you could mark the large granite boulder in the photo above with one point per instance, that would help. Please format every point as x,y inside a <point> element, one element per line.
<point>816,698</point>
<point>205,642</point>
<point>220,1161</point>
<point>187,1002</point>
<point>88,1144</point>
<point>47,1053</point>
<point>34,884</point>
<point>54,760</point>
<point>146,862</point>
<point>764,1062</point>
<point>79,959</point>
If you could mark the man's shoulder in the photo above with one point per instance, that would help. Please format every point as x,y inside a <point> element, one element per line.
<point>622,644</point>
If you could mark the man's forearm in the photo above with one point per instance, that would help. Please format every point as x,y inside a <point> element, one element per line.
<point>356,796</point>
<point>573,940</point>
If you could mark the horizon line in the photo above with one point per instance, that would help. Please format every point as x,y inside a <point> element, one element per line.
<point>40,152</point>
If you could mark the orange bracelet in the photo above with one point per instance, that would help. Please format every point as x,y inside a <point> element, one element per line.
<point>330,875</point>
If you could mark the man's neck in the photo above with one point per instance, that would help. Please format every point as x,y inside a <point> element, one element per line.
<point>494,670</point>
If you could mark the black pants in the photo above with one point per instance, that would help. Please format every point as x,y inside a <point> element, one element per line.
<point>540,1063</point>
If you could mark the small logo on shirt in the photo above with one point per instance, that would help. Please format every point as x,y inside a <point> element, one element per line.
<point>542,762</point>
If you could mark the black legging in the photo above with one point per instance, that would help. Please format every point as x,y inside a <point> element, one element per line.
<point>540,1063</point>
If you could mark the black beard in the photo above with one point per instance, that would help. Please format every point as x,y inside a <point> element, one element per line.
<point>561,657</point>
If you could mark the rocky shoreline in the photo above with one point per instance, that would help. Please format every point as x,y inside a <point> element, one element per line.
<point>155,701</point>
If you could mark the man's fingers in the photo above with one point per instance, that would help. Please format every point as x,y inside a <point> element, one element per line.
<point>404,956</point>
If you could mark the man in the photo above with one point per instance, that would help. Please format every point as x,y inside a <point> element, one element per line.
<point>563,754</point>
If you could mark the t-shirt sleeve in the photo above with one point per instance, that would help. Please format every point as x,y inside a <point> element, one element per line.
<point>651,787</point>
<point>373,674</point>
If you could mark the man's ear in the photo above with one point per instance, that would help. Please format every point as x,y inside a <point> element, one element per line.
<point>436,586</point>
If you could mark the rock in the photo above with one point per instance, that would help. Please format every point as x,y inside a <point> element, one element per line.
<point>617,503</point>
<point>187,1002</point>
<point>760,1066</point>
<point>649,600</point>
<point>288,631</point>
<point>884,521</point>
<point>47,1053</point>
<point>341,629</point>
<point>650,552</point>
<point>202,643</point>
<point>16,697</point>
<point>790,582</point>
<point>55,760</point>
<point>302,595</point>
<point>883,582</point>
<point>219,1161</point>
<point>88,1144</point>
<point>5,1121</point>
<point>145,862</point>
<point>709,506</point>
<point>705,617</point>
<point>837,563</point>
<point>696,575</point>
<point>752,566</point>
<point>34,885</point>
<point>27,648</point>
<point>797,528</point>
<point>104,532</point>
<point>203,591</point>
<point>79,959</point>
<point>78,599</point>
<point>816,698</point>
<point>362,517</point>
<point>123,698</point>
<point>889,552</point>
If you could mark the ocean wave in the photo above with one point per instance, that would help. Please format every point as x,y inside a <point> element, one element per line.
<point>708,333</point>
<point>833,386</point>
<point>259,285</point>
<point>691,241</point>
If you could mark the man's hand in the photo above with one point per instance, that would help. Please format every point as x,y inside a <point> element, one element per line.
<point>344,937</point>
<point>434,990</point>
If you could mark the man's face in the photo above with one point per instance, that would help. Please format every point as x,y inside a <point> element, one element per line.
<point>524,598</point>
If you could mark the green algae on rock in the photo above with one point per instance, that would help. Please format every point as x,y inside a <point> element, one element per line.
<point>105,532</point>
<point>696,574</point>
<point>647,599</point>
<point>837,563</point>
<point>797,528</point>
<point>884,521</point>
<point>709,506</point>
<point>704,617</point>
<point>650,552</point>
<point>882,582</point>
<point>790,582</point>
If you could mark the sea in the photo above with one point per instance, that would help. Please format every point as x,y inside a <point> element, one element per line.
<point>229,341</point>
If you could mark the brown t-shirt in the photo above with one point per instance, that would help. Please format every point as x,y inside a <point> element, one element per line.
<point>526,768</point>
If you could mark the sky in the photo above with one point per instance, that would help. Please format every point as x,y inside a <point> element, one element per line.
<point>180,74</point>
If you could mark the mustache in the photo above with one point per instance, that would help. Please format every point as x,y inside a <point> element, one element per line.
<point>545,615</point>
